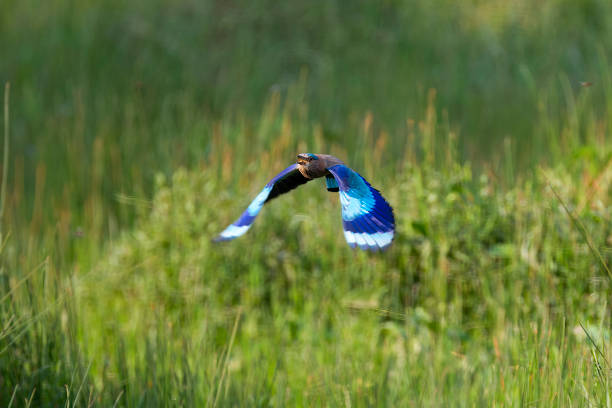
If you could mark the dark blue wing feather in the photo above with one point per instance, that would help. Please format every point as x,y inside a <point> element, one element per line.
<point>367,218</point>
<point>283,182</point>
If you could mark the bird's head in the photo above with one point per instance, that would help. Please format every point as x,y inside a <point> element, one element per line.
<point>305,159</point>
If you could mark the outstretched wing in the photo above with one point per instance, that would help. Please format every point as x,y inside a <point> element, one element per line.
<point>284,181</point>
<point>367,218</point>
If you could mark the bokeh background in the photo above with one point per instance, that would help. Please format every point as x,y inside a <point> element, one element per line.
<point>139,129</point>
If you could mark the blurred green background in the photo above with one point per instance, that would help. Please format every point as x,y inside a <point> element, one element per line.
<point>139,129</point>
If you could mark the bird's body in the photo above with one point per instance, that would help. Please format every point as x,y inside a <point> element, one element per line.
<point>367,218</point>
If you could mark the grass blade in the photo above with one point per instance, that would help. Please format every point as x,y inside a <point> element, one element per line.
<point>7,90</point>
<point>576,221</point>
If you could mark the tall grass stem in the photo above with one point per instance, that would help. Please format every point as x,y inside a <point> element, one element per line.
<point>583,231</point>
<point>7,91</point>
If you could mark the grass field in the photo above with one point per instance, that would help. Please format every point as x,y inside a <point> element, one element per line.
<point>139,130</point>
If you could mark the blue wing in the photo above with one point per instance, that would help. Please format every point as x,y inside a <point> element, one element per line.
<point>367,218</point>
<point>283,182</point>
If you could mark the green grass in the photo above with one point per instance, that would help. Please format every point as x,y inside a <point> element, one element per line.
<point>479,302</point>
<point>139,130</point>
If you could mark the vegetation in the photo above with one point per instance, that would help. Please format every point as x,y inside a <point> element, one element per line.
<point>139,130</point>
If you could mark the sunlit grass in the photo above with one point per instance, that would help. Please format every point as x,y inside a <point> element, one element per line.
<point>481,299</point>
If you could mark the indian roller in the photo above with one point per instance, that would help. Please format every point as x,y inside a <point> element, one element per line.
<point>367,218</point>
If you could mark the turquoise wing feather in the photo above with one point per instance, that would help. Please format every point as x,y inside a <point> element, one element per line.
<point>283,182</point>
<point>367,218</point>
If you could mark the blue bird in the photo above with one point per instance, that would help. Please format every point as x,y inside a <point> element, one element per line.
<point>367,218</point>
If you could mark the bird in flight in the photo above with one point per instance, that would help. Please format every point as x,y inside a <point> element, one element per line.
<point>367,218</point>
